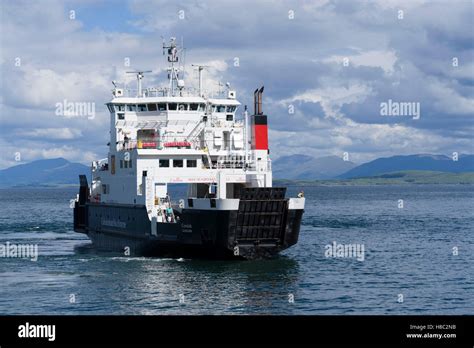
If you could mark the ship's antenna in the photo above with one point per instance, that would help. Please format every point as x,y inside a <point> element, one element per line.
<point>140,75</point>
<point>184,58</point>
<point>200,69</point>
<point>173,72</point>
<point>220,84</point>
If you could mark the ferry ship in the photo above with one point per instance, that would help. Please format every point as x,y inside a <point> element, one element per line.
<point>179,135</point>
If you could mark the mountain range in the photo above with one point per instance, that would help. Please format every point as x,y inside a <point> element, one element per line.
<point>47,172</point>
<point>436,163</point>
<point>301,167</point>
<point>59,171</point>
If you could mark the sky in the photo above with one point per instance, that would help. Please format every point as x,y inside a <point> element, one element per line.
<point>328,66</point>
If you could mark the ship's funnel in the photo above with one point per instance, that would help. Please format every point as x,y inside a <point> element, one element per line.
<point>259,123</point>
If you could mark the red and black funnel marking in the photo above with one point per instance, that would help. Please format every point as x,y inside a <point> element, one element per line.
<point>259,132</point>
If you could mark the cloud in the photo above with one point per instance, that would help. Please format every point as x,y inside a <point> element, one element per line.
<point>299,59</point>
<point>332,98</point>
<point>52,133</point>
<point>43,88</point>
<point>449,101</point>
<point>381,59</point>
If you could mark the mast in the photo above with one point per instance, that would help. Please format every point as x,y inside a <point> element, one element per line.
<point>200,69</point>
<point>175,83</point>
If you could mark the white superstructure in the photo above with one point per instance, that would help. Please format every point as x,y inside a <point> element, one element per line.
<point>176,135</point>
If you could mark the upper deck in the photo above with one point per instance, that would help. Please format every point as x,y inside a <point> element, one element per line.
<point>175,119</point>
<point>164,104</point>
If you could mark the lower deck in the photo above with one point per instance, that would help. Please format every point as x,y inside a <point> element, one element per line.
<point>261,225</point>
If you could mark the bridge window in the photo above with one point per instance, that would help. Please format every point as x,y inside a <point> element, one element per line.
<point>164,163</point>
<point>193,107</point>
<point>131,107</point>
<point>220,108</point>
<point>127,164</point>
<point>119,107</point>
<point>191,163</point>
<point>172,106</point>
<point>110,107</point>
<point>183,107</point>
<point>231,108</point>
<point>162,107</point>
<point>141,107</point>
<point>151,107</point>
<point>178,163</point>
<point>202,107</point>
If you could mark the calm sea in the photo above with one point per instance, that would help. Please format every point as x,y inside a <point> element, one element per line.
<point>418,259</point>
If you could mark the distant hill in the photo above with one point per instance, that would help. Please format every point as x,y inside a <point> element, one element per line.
<point>418,177</point>
<point>48,172</point>
<point>396,169</point>
<point>437,163</point>
<point>302,167</point>
<point>398,178</point>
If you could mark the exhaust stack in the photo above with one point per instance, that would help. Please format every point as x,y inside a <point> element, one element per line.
<point>259,123</point>
<point>257,101</point>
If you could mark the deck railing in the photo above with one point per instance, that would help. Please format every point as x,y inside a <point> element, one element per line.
<point>163,92</point>
<point>176,142</point>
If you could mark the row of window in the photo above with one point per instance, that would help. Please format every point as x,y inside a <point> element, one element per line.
<point>177,163</point>
<point>165,163</point>
<point>169,107</point>
<point>125,164</point>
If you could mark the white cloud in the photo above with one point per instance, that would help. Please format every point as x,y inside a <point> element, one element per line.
<point>375,58</point>
<point>43,88</point>
<point>449,100</point>
<point>332,98</point>
<point>52,133</point>
<point>363,142</point>
<point>299,61</point>
<point>400,4</point>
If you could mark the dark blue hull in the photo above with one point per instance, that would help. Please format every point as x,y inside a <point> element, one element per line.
<point>261,227</point>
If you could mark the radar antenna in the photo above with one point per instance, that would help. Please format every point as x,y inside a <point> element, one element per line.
<point>140,76</point>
